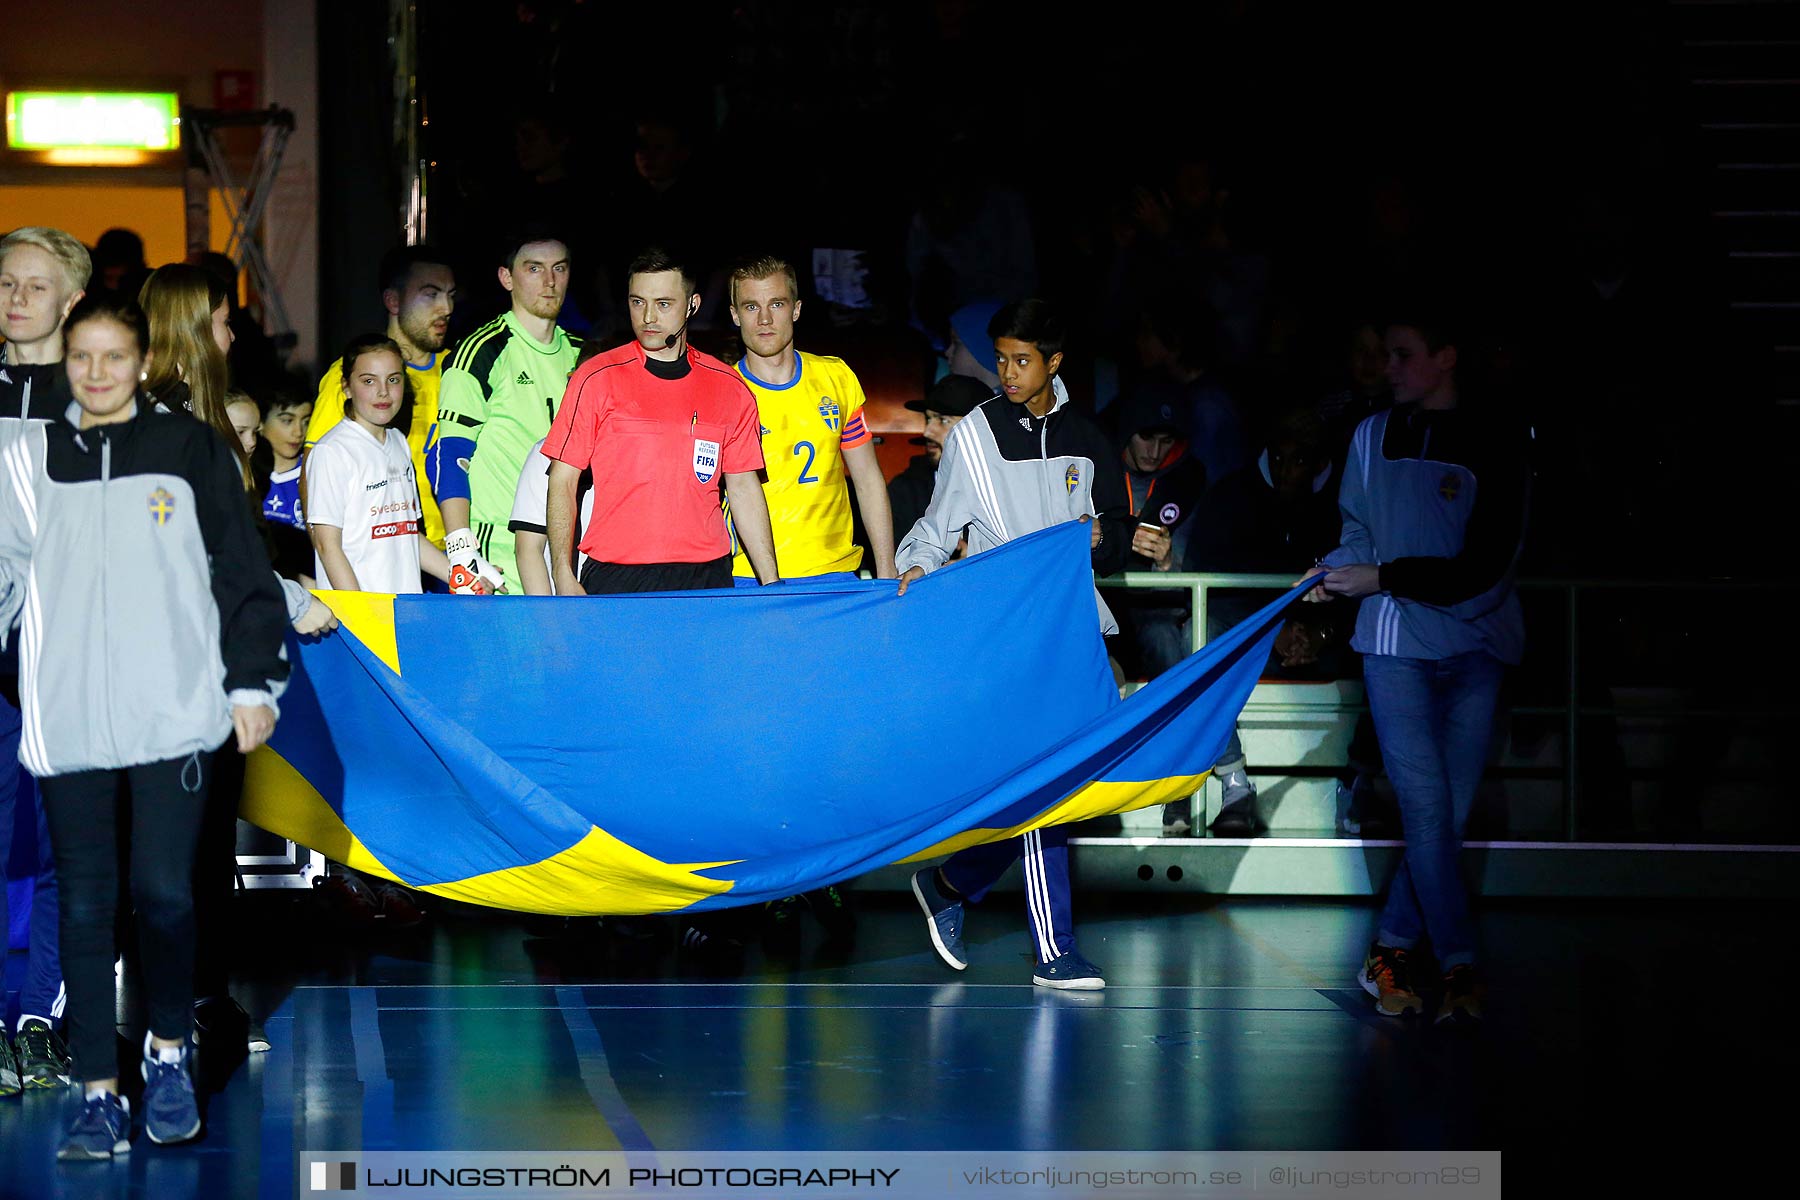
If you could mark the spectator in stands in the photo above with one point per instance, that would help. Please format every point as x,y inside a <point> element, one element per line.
<point>551,195</point>
<point>1364,389</point>
<point>119,265</point>
<point>1182,226</point>
<point>950,400</point>
<point>968,239</point>
<point>1433,503</point>
<point>671,198</point>
<point>1178,349</point>
<point>1272,517</point>
<point>1163,486</point>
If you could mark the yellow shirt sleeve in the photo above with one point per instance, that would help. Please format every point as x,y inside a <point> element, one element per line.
<point>424,429</point>
<point>328,409</point>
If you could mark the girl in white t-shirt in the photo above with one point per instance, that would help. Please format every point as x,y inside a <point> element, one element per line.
<point>362,499</point>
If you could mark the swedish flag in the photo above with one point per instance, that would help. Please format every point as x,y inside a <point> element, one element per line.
<point>636,754</point>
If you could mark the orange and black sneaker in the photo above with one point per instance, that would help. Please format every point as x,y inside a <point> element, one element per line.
<point>1387,976</point>
<point>1462,995</point>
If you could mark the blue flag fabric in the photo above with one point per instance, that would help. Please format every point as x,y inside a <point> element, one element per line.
<point>648,753</point>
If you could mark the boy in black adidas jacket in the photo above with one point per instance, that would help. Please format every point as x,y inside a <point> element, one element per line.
<point>1021,462</point>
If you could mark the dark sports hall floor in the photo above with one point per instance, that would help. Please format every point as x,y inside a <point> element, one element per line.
<point>1645,1027</point>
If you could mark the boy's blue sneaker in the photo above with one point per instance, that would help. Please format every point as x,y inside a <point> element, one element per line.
<point>170,1111</point>
<point>100,1130</point>
<point>1069,973</point>
<point>943,917</point>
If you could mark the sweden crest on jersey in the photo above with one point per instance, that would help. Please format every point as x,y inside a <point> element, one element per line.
<point>828,409</point>
<point>1072,478</point>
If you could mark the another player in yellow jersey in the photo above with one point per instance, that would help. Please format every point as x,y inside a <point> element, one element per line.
<point>813,436</point>
<point>419,290</point>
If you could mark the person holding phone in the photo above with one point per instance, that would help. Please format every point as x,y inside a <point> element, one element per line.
<point>1164,481</point>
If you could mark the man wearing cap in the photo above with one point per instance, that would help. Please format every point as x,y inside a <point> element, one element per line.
<point>950,400</point>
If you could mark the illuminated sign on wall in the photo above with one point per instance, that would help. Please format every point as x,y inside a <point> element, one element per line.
<point>93,126</point>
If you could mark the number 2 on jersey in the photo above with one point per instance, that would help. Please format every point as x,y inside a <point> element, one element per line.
<point>805,472</point>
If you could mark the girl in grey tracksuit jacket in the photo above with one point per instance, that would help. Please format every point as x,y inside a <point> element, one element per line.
<point>146,613</point>
<point>146,605</point>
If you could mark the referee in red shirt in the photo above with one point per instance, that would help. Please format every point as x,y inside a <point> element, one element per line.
<point>659,425</point>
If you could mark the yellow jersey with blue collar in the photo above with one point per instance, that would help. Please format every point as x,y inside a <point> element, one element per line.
<point>807,424</point>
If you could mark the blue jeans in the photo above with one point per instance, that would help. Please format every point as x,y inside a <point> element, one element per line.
<point>1434,718</point>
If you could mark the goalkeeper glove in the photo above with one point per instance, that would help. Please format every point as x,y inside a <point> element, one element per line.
<point>470,574</point>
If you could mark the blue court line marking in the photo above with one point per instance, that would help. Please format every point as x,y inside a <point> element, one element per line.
<point>858,1007</point>
<point>371,1070</point>
<point>596,1073</point>
<point>276,1162</point>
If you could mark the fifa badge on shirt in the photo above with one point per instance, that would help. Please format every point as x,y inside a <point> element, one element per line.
<point>1072,478</point>
<point>829,410</point>
<point>162,506</point>
<point>706,460</point>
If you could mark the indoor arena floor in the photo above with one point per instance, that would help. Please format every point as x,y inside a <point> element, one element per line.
<point>1227,1024</point>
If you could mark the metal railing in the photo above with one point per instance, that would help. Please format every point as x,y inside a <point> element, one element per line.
<point>1572,711</point>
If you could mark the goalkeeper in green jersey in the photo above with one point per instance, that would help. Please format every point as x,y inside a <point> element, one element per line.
<point>496,401</point>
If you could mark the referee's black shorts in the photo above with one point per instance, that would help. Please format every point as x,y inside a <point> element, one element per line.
<point>613,579</point>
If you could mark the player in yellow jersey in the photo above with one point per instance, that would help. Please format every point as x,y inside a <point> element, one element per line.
<point>813,436</point>
<point>813,439</point>
<point>419,290</point>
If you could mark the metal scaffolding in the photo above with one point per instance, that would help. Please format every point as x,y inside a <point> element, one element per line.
<point>245,204</point>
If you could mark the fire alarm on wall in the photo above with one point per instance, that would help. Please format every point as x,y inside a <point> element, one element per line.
<point>234,91</point>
